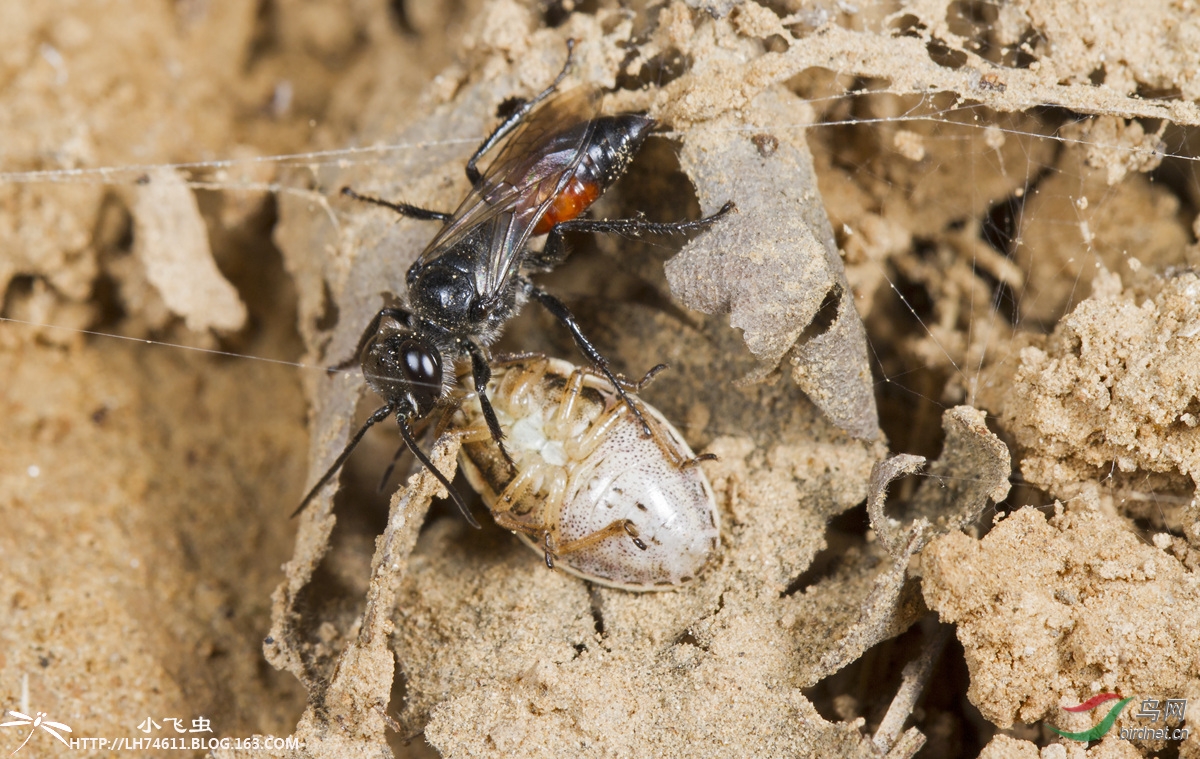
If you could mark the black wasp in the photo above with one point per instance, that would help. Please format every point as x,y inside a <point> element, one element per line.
<point>558,158</point>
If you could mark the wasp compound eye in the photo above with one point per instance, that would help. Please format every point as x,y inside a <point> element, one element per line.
<point>423,369</point>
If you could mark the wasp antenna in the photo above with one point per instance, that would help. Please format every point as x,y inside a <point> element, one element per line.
<point>380,414</point>
<point>411,442</point>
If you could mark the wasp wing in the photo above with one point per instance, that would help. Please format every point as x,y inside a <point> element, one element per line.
<point>533,165</point>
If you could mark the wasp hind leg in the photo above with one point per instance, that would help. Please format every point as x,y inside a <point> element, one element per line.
<point>555,251</point>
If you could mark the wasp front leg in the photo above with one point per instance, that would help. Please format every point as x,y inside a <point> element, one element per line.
<point>481,374</point>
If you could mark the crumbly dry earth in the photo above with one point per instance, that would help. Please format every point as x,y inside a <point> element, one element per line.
<point>1034,646</point>
<point>1122,404</point>
<point>968,227</point>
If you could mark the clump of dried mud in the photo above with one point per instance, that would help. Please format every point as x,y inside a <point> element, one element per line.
<point>946,353</point>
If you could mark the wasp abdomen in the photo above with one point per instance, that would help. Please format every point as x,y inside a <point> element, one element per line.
<point>611,145</point>
<point>615,141</point>
<point>568,204</point>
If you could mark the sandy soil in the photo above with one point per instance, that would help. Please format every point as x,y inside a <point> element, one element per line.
<point>947,354</point>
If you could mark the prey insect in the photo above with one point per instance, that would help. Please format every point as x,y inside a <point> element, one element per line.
<point>589,491</point>
<point>555,157</point>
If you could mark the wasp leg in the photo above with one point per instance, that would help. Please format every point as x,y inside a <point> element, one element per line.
<point>515,118</point>
<point>482,374</point>
<point>404,209</point>
<point>555,251</point>
<point>559,311</point>
<point>443,422</point>
<point>380,414</point>
<point>391,467</point>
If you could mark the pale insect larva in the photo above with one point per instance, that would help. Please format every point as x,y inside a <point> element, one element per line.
<point>590,491</point>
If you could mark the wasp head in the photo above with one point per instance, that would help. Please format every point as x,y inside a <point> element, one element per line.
<point>405,369</point>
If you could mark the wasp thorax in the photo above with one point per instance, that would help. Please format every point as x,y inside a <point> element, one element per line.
<point>401,367</point>
<point>442,295</point>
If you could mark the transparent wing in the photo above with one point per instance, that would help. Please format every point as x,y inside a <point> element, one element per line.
<point>530,169</point>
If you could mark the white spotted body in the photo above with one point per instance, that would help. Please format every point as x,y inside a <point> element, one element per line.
<point>589,487</point>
